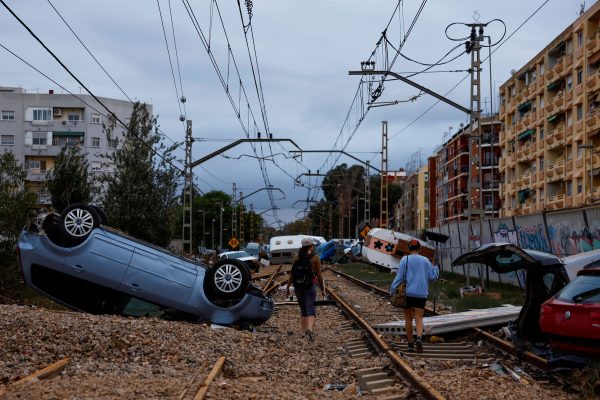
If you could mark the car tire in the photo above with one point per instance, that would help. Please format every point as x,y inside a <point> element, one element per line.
<point>227,279</point>
<point>101,214</point>
<point>77,221</point>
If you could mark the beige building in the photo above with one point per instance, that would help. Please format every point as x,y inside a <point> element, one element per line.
<point>412,210</point>
<point>551,124</point>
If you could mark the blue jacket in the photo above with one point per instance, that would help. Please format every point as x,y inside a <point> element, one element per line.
<point>420,272</point>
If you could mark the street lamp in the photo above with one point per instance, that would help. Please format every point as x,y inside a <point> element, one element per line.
<point>221,227</point>
<point>213,233</point>
<point>203,244</point>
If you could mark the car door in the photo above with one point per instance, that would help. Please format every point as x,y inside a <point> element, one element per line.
<point>102,259</point>
<point>160,278</point>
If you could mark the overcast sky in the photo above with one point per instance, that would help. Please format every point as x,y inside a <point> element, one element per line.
<point>305,50</point>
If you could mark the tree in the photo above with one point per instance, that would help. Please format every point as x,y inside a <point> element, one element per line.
<point>69,181</point>
<point>140,196</point>
<point>15,204</point>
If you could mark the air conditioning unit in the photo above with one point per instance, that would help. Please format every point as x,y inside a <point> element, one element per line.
<point>57,112</point>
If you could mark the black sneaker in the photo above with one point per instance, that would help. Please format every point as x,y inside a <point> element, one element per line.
<point>419,346</point>
<point>410,346</point>
<point>310,335</point>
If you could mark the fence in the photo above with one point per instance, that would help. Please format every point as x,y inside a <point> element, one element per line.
<point>561,233</point>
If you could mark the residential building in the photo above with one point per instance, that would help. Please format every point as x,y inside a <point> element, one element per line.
<point>450,180</point>
<point>412,209</point>
<point>34,127</point>
<point>551,124</point>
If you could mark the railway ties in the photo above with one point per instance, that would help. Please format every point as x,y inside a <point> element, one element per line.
<point>454,351</point>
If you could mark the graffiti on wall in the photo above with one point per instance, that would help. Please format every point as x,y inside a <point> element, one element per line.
<point>568,234</point>
<point>504,235</point>
<point>533,237</point>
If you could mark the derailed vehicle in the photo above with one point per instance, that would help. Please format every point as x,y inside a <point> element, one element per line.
<point>545,275</point>
<point>79,262</point>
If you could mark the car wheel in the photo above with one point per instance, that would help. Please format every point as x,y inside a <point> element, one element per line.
<point>101,214</point>
<point>227,279</point>
<point>77,222</point>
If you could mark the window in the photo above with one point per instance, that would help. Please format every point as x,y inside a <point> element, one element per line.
<point>42,114</point>
<point>533,75</point>
<point>40,139</point>
<point>7,140</point>
<point>39,165</point>
<point>73,119</point>
<point>95,118</point>
<point>8,115</point>
<point>542,69</point>
<point>112,143</point>
<point>579,39</point>
<point>541,102</point>
<point>95,142</point>
<point>579,112</point>
<point>533,165</point>
<point>569,82</point>
<point>541,195</point>
<point>541,163</point>
<point>569,118</point>
<point>513,119</point>
<point>569,151</point>
<point>569,47</point>
<point>579,185</point>
<point>580,150</point>
<point>513,91</point>
<point>541,133</point>
<point>579,76</point>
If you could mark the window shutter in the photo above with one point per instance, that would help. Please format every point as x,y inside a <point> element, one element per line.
<point>29,139</point>
<point>49,138</point>
<point>29,114</point>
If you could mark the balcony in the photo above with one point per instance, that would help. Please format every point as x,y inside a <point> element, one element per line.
<point>579,90</point>
<point>579,163</point>
<point>569,165</point>
<point>556,202</point>
<point>592,122</point>
<point>36,176</point>
<point>541,83</point>
<point>578,54</point>
<point>592,82</point>
<point>593,43</point>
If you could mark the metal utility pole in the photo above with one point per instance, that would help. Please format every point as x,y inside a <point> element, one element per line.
<point>474,203</point>
<point>241,220</point>
<point>330,223</point>
<point>383,212</point>
<point>367,195</point>
<point>221,226</point>
<point>251,222</point>
<point>234,213</point>
<point>188,192</point>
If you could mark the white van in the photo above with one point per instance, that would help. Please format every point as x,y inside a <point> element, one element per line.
<point>385,248</point>
<point>284,248</point>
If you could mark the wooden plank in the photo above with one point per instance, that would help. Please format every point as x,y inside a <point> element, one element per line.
<point>216,371</point>
<point>43,373</point>
<point>182,395</point>
<point>273,287</point>
<point>271,278</point>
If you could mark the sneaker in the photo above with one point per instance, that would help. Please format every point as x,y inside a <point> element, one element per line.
<point>410,346</point>
<point>419,346</point>
<point>310,335</point>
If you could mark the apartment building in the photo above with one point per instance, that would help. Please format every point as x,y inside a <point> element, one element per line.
<point>551,124</point>
<point>450,174</point>
<point>34,127</point>
<point>412,209</point>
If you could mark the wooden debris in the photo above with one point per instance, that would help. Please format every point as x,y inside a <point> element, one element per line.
<point>272,277</point>
<point>182,395</point>
<point>216,371</point>
<point>43,373</point>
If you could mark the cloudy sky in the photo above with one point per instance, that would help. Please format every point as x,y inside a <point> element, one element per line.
<point>304,51</point>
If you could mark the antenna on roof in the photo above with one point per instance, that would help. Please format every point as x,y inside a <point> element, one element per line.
<point>582,8</point>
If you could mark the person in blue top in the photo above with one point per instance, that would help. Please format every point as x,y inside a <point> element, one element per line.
<point>417,271</point>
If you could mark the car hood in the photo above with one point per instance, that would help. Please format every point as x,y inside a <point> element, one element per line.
<point>506,257</point>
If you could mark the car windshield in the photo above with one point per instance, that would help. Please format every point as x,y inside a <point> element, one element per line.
<point>585,289</point>
<point>238,254</point>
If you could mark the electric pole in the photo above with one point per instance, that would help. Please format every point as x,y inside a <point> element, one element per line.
<point>234,213</point>
<point>367,195</point>
<point>383,212</point>
<point>241,220</point>
<point>188,192</point>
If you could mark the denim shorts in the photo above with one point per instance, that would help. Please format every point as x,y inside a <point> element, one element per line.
<point>306,300</point>
<point>415,302</point>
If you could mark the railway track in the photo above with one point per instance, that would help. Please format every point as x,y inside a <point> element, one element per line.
<point>466,362</point>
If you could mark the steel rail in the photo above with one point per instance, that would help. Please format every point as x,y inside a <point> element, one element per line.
<point>373,288</point>
<point>511,349</point>
<point>428,391</point>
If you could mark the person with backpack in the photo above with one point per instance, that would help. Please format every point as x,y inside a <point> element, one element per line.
<point>416,271</point>
<point>305,275</point>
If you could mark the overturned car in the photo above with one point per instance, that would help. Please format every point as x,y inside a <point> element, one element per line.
<point>78,261</point>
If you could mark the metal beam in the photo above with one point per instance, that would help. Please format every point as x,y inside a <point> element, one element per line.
<point>337,151</point>
<point>414,84</point>
<point>233,144</point>
<point>261,189</point>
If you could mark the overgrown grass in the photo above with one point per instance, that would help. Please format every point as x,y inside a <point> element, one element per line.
<point>445,290</point>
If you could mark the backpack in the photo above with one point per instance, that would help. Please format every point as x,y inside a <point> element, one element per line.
<point>302,273</point>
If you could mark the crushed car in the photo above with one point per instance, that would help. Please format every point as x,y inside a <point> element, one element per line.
<point>80,262</point>
<point>545,276</point>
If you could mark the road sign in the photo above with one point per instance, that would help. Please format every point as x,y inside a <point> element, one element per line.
<point>233,243</point>
<point>365,231</point>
